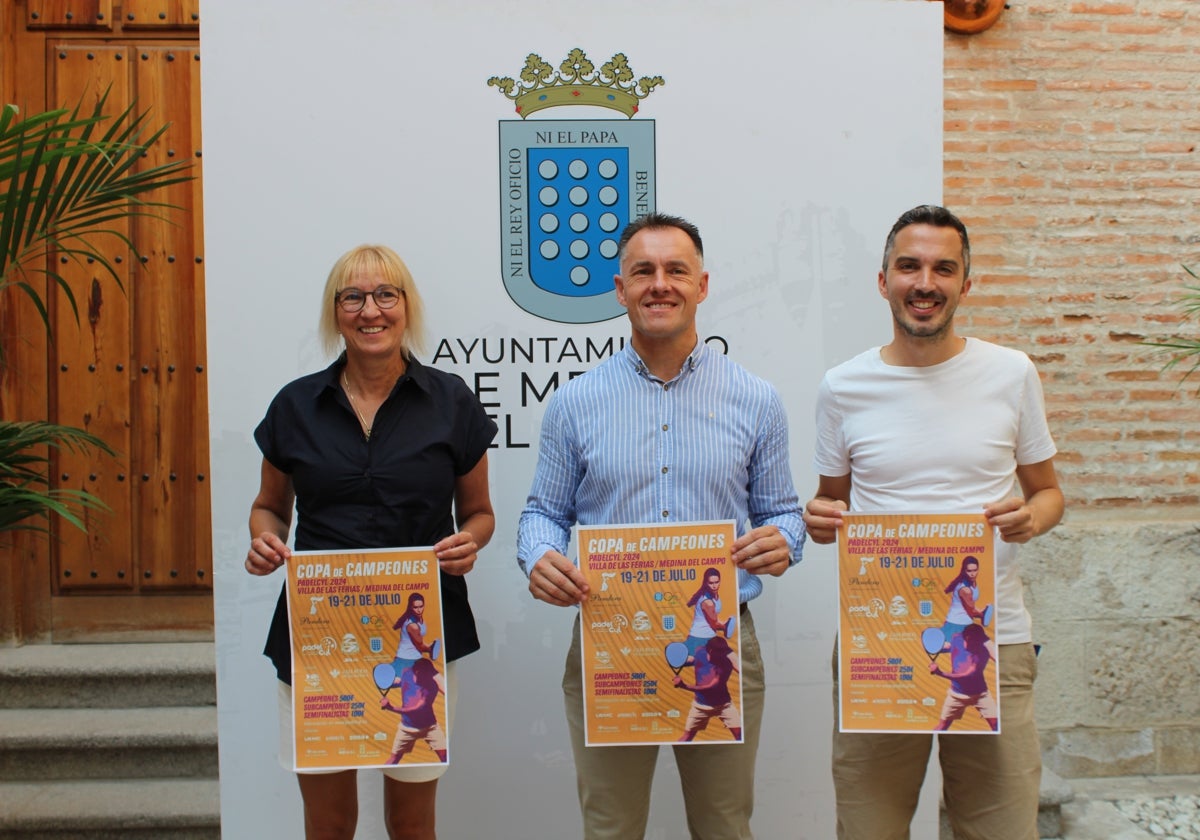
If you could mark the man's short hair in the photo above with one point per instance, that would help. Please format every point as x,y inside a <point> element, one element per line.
<point>652,221</point>
<point>930,214</point>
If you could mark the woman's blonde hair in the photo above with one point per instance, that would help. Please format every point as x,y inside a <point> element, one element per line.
<point>382,261</point>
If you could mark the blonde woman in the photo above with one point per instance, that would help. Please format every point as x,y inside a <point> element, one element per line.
<point>375,451</point>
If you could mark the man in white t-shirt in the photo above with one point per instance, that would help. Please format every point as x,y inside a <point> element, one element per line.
<point>937,422</point>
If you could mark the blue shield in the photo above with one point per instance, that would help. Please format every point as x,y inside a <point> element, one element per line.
<point>568,188</point>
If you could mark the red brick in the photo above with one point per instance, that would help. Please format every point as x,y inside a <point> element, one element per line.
<point>1152,396</point>
<point>1134,29</point>
<point>1132,375</point>
<point>1182,415</point>
<point>1076,26</point>
<point>974,104</point>
<point>1153,435</point>
<point>1178,456</point>
<point>1101,9</point>
<point>1179,148</point>
<point>1010,84</point>
<point>1124,414</point>
<point>1119,501</point>
<point>1093,435</point>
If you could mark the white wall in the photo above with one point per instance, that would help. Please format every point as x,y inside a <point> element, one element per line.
<point>792,133</point>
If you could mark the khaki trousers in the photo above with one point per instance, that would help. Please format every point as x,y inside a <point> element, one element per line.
<point>717,779</point>
<point>990,783</point>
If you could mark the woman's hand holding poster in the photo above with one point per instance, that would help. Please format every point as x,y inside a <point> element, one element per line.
<point>368,673</point>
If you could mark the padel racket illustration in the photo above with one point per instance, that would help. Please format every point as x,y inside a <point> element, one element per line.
<point>933,640</point>
<point>988,611</point>
<point>677,656</point>
<point>729,627</point>
<point>385,677</point>
<point>435,647</point>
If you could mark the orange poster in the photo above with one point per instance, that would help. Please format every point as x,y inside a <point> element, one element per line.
<point>368,670</point>
<point>916,636</point>
<point>659,633</point>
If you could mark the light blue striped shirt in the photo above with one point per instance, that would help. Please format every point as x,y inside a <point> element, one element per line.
<point>618,447</point>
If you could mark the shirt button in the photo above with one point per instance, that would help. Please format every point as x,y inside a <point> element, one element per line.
<point>664,469</point>
<point>664,427</point>
<point>666,514</point>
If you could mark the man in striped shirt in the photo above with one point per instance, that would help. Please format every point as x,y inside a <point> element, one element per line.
<point>666,430</point>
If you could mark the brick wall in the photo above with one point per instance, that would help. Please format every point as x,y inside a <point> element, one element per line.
<point>1072,152</point>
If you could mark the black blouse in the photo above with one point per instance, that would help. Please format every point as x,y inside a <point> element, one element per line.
<point>394,490</point>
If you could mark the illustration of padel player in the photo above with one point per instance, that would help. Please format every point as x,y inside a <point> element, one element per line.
<point>706,611</point>
<point>419,686</point>
<point>964,600</point>
<point>970,653</point>
<point>411,625</point>
<point>714,663</point>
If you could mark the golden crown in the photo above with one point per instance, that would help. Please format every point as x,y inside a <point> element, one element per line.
<point>576,82</point>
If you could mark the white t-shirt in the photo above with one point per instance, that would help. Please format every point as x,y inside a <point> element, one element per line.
<point>945,438</point>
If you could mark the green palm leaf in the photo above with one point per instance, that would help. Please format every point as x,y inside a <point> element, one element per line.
<point>26,498</point>
<point>1185,350</point>
<point>66,179</point>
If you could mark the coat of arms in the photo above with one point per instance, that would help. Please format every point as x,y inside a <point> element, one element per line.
<point>569,187</point>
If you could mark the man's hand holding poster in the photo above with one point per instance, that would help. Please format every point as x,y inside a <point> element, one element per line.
<point>916,637</point>
<point>659,633</point>
<point>368,672</point>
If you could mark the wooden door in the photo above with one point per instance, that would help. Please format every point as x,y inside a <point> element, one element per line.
<point>132,370</point>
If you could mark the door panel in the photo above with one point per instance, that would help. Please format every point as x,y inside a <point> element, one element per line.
<point>69,14</point>
<point>133,370</point>
<point>89,358</point>
<point>161,14</point>
<point>169,393</point>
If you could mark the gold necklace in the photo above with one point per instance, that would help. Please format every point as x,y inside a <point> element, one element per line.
<point>363,420</point>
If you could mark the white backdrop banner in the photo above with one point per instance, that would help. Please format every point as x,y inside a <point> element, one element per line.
<point>499,148</point>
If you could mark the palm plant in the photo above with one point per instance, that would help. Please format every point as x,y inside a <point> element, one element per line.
<point>25,493</point>
<point>1185,350</point>
<point>70,177</point>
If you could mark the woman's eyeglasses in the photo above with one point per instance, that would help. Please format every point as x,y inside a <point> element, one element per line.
<point>353,300</point>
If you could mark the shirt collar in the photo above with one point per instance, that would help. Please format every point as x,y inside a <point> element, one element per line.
<point>693,360</point>
<point>415,372</point>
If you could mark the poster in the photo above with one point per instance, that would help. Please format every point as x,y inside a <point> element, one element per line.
<point>659,634</point>
<point>916,648</point>
<point>368,670</point>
